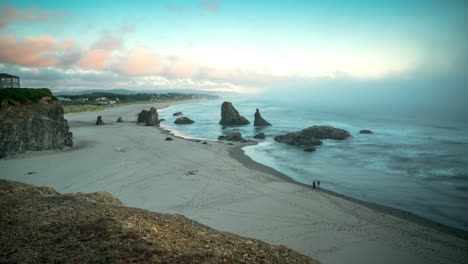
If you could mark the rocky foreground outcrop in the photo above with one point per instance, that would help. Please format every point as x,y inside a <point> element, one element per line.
<point>39,225</point>
<point>259,121</point>
<point>312,136</point>
<point>32,125</point>
<point>230,116</point>
<point>150,118</point>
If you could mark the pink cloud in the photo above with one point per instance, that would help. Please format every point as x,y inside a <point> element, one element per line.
<point>41,51</point>
<point>100,54</point>
<point>140,61</point>
<point>97,59</point>
<point>212,6</point>
<point>183,67</point>
<point>11,15</point>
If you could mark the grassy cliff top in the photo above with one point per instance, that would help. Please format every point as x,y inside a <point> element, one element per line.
<point>25,94</point>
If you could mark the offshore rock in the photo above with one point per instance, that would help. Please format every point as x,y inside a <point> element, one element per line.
<point>230,116</point>
<point>366,131</point>
<point>119,120</point>
<point>260,135</point>
<point>32,126</point>
<point>177,114</point>
<point>312,136</point>
<point>259,121</point>
<point>233,136</point>
<point>183,121</point>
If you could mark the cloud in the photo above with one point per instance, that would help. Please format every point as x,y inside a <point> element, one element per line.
<point>212,6</point>
<point>13,15</point>
<point>140,61</point>
<point>35,51</point>
<point>100,54</point>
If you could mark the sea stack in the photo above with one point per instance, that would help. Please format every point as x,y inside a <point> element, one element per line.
<point>119,120</point>
<point>152,117</point>
<point>99,121</point>
<point>259,121</point>
<point>230,116</point>
<point>142,116</point>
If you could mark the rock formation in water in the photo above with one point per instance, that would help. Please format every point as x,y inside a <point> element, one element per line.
<point>310,149</point>
<point>119,120</point>
<point>366,131</point>
<point>259,121</point>
<point>38,224</point>
<point>177,114</point>
<point>260,135</point>
<point>183,121</point>
<point>233,136</point>
<point>99,121</point>
<point>31,124</point>
<point>312,136</point>
<point>230,116</point>
<point>150,118</point>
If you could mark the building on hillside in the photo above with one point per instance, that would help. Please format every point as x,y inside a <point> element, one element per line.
<point>9,81</point>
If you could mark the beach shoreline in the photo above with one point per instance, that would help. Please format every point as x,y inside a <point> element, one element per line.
<point>218,185</point>
<point>238,153</point>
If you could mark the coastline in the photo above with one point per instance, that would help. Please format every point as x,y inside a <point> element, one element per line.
<point>239,154</point>
<point>227,192</point>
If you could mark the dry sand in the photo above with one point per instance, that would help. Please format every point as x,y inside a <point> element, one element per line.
<point>213,184</point>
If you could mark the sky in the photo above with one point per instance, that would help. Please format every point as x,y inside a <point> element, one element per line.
<point>318,47</point>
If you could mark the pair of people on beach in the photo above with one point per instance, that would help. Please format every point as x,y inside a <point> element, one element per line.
<point>315,184</point>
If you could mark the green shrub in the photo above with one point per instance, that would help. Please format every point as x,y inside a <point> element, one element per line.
<point>25,94</point>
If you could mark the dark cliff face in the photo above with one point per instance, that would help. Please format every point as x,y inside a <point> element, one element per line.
<point>32,126</point>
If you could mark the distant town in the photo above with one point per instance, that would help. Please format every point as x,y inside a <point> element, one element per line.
<point>104,98</point>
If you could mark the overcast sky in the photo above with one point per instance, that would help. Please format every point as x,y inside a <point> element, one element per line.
<point>319,47</point>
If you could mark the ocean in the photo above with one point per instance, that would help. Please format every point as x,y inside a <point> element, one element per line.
<point>417,163</point>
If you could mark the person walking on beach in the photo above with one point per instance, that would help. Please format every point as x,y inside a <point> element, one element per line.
<point>318,184</point>
<point>313,185</point>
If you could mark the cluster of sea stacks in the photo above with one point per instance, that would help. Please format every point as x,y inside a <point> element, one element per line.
<point>307,138</point>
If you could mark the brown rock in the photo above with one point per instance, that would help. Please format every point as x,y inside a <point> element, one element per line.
<point>260,135</point>
<point>259,121</point>
<point>365,131</point>
<point>183,121</point>
<point>230,116</point>
<point>99,121</point>
<point>312,136</point>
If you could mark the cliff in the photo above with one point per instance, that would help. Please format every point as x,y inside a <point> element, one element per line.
<point>37,224</point>
<point>31,119</point>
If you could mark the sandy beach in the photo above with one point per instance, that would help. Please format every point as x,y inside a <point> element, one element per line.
<point>216,185</point>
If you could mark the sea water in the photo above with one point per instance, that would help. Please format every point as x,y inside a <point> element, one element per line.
<point>416,164</point>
